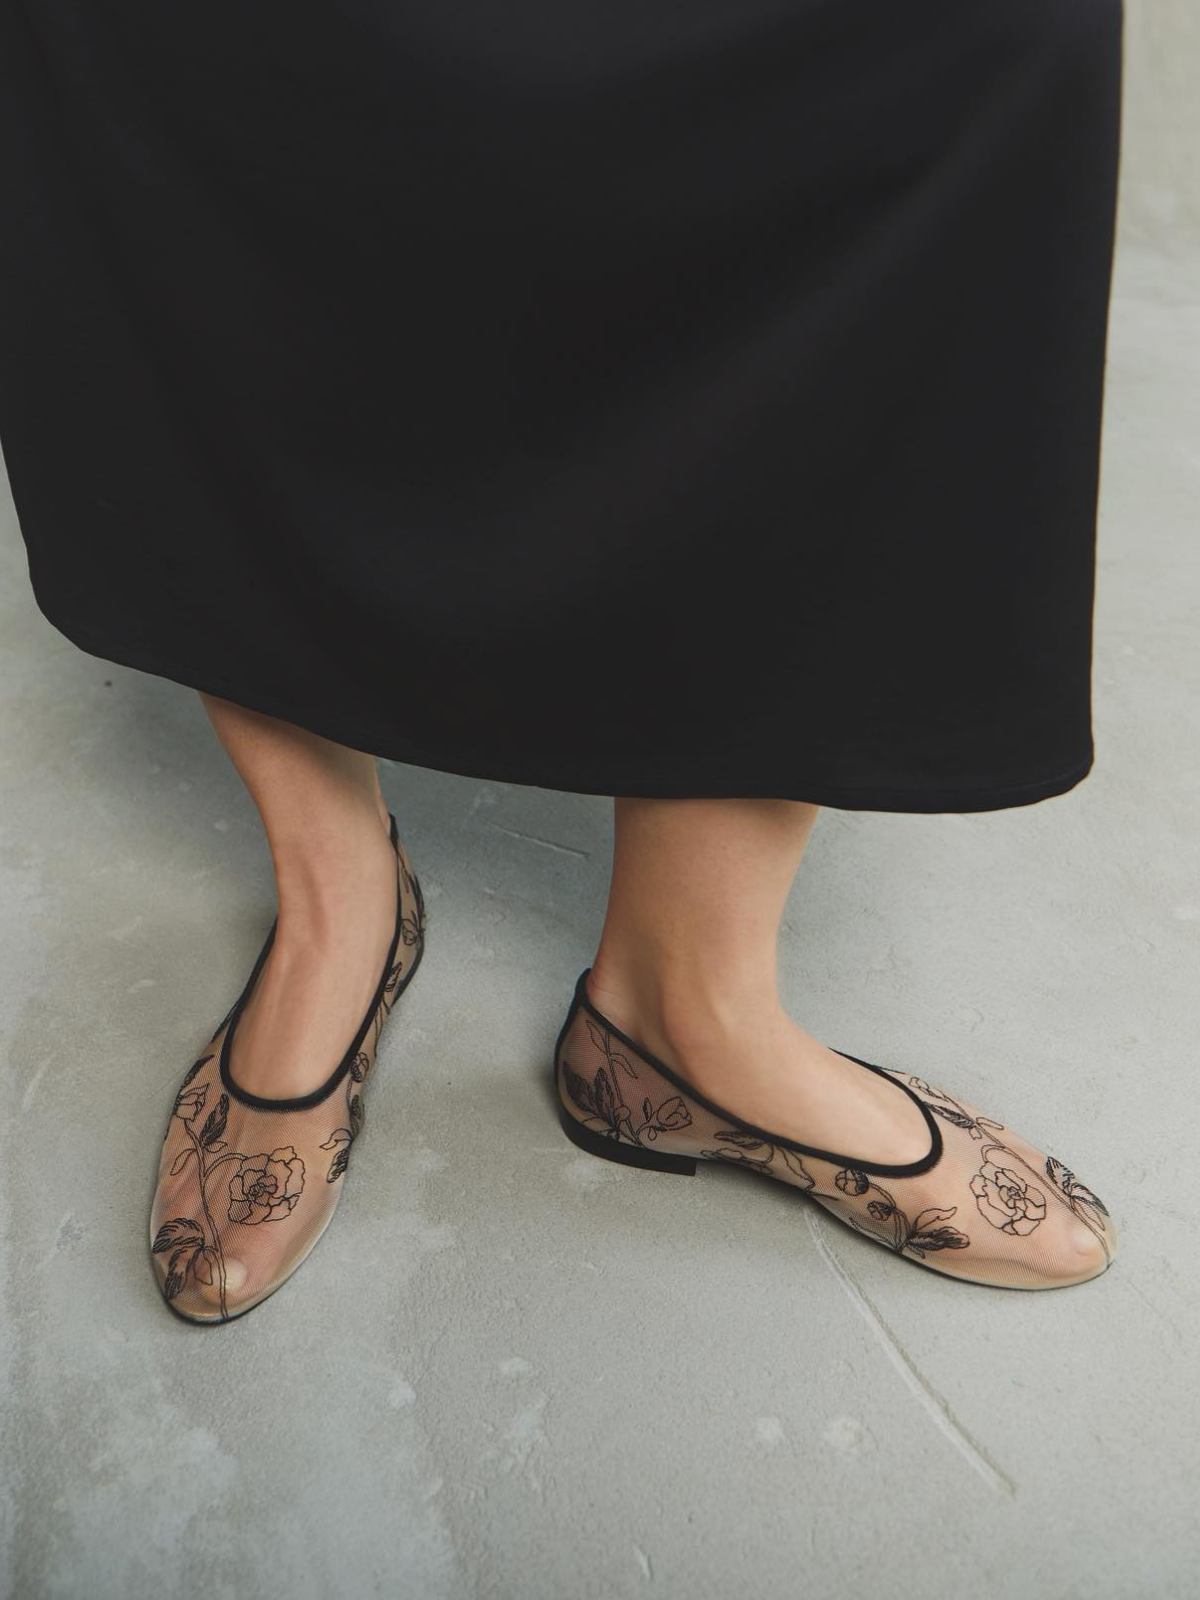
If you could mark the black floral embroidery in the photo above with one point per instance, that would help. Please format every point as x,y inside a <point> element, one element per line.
<point>602,1099</point>
<point>745,1152</point>
<point>341,1139</point>
<point>1080,1198</point>
<point>195,1252</point>
<point>190,1103</point>
<point>265,1188</point>
<point>411,925</point>
<point>1028,1204</point>
<point>926,1232</point>
<point>184,1238</point>
<point>1007,1200</point>
<point>850,1181</point>
<point>1005,1196</point>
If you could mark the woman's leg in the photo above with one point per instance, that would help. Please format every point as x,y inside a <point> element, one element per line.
<point>327,827</point>
<point>687,967</point>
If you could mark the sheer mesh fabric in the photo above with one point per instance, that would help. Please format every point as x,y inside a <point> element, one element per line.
<point>984,1204</point>
<point>247,1185</point>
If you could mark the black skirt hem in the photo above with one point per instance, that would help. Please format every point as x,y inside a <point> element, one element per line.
<point>668,785</point>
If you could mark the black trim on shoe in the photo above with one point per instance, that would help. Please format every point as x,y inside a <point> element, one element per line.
<point>305,1102</point>
<point>910,1169</point>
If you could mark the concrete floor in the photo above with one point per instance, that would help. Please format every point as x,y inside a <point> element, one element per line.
<point>512,1371</point>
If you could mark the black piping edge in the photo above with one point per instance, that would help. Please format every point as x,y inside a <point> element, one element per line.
<point>911,1169</point>
<point>305,1102</point>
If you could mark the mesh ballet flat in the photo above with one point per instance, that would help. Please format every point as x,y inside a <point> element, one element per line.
<point>983,1204</point>
<point>247,1184</point>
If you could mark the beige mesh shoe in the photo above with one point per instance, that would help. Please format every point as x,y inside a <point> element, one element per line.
<point>246,1184</point>
<point>983,1204</point>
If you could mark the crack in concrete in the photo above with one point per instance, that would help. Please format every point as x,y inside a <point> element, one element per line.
<point>932,1402</point>
<point>532,838</point>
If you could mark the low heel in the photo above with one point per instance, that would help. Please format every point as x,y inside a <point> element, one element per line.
<point>631,1155</point>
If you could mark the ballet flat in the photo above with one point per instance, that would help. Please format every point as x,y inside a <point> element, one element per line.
<point>983,1204</point>
<point>248,1184</point>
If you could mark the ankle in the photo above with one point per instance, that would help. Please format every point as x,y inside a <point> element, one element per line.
<point>672,1008</point>
<point>326,876</point>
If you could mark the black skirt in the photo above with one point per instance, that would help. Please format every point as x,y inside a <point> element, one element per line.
<point>672,398</point>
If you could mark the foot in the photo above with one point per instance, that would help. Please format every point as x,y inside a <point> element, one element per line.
<point>986,1205</point>
<point>752,1059</point>
<point>336,922</point>
<point>245,1189</point>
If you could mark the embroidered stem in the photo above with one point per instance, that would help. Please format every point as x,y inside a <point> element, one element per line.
<point>209,1218</point>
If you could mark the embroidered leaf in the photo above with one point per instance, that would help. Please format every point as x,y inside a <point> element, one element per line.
<point>926,1218</point>
<point>1079,1191</point>
<point>646,1111</point>
<point>739,1158</point>
<point>956,1117</point>
<point>339,1164</point>
<point>202,1266</point>
<point>181,1160</point>
<point>599,1036</point>
<point>794,1164</point>
<point>214,1125</point>
<point>179,1231</point>
<point>193,1070</point>
<point>173,1285</point>
<point>217,1144</point>
<point>603,1095</point>
<point>1062,1177</point>
<point>338,1137</point>
<point>744,1141</point>
<point>938,1239</point>
<point>359,1066</point>
<point>618,1060</point>
<point>579,1088</point>
<point>881,1210</point>
<point>357,1116</point>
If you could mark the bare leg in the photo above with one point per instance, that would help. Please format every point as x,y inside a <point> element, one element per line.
<point>687,966</point>
<point>327,826</point>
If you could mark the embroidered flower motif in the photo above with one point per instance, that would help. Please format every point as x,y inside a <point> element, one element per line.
<point>1007,1200</point>
<point>850,1181</point>
<point>601,1096</point>
<point>189,1103</point>
<point>266,1188</point>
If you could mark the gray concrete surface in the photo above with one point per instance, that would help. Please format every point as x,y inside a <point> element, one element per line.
<point>513,1371</point>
